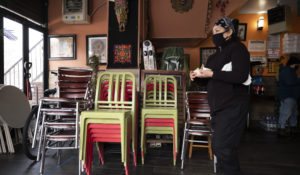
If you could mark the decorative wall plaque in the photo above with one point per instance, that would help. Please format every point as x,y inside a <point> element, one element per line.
<point>182,6</point>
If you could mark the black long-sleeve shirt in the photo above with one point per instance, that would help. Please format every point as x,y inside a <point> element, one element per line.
<point>226,87</point>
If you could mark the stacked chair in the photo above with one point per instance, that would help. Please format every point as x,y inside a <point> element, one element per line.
<point>159,113</point>
<point>60,115</point>
<point>197,128</point>
<point>112,120</point>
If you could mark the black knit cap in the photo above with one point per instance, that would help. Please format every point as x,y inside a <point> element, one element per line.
<point>226,23</point>
<point>293,60</point>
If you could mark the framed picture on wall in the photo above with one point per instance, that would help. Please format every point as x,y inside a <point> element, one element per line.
<point>62,47</point>
<point>97,45</point>
<point>242,31</point>
<point>205,52</point>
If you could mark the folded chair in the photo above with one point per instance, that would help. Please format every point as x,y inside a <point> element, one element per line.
<point>197,129</point>
<point>159,113</point>
<point>112,120</point>
<point>60,115</point>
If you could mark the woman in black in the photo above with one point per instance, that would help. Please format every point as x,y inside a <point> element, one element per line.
<point>228,73</point>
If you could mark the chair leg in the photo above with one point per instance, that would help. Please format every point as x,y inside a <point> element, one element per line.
<point>41,139</point>
<point>1,137</point>
<point>215,164</point>
<point>209,149</point>
<point>174,147</point>
<point>100,150</point>
<point>90,160</point>
<point>43,152</point>
<point>36,128</point>
<point>59,144</point>
<point>134,158</point>
<point>2,141</point>
<point>184,146</point>
<point>127,161</point>
<point>142,156</point>
<point>135,142</point>
<point>10,145</point>
<point>142,141</point>
<point>191,147</point>
<point>79,166</point>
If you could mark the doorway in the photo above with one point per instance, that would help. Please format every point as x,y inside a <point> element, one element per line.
<point>23,43</point>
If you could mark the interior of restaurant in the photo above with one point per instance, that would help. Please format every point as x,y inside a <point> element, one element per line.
<point>77,85</point>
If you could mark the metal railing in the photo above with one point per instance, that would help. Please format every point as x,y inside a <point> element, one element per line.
<point>36,55</point>
<point>14,75</point>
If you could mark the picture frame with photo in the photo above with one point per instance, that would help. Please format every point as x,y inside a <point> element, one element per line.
<point>242,31</point>
<point>62,47</point>
<point>97,45</point>
<point>205,52</point>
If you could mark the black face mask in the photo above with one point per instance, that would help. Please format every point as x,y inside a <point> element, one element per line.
<point>219,40</point>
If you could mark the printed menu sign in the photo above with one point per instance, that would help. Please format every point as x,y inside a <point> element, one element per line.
<point>257,45</point>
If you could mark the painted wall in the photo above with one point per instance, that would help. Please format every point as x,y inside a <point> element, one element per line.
<point>56,26</point>
<point>99,25</point>
<point>167,23</point>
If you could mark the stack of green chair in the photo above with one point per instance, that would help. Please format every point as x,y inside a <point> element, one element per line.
<point>159,112</point>
<point>115,109</point>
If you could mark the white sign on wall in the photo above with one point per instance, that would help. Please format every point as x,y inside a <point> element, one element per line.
<point>257,45</point>
<point>260,58</point>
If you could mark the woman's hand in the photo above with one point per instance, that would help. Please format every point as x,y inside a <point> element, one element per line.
<point>192,75</point>
<point>205,73</point>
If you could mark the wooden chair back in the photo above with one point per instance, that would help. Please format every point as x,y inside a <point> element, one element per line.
<point>73,82</point>
<point>197,105</point>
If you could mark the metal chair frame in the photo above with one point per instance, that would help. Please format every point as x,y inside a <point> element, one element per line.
<point>199,125</point>
<point>61,113</point>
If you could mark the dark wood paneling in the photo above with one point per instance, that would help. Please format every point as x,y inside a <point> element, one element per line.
<point>32,9</point>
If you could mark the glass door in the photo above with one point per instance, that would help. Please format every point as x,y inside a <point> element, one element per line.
<point>23,49</point>
<point>13,53</point>
<point>36,58</point>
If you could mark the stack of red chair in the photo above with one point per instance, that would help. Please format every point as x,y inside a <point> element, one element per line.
<point>101,133</point>
<point>161,122</point>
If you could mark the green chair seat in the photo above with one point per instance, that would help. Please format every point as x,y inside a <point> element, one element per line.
<point>104,117</point>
